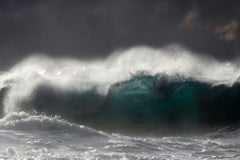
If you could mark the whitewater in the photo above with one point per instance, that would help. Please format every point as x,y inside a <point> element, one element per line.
<point>137,103</point>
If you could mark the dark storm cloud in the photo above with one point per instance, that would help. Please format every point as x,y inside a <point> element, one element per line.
<point>94,28</point>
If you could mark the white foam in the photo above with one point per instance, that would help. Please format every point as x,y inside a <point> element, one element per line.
<point>23,121</point>
<point>69,74</point>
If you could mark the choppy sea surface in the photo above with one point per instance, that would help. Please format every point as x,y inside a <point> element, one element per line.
<point>24,136</point>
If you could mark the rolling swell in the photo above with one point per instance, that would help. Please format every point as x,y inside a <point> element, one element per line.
<point>143,103</point>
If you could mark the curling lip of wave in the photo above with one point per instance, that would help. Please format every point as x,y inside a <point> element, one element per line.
<point>72,75</point>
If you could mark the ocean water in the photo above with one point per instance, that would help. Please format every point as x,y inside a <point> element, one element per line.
<point>139,103</point>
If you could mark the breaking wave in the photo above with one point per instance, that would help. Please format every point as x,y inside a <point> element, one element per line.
<point>139,89</point>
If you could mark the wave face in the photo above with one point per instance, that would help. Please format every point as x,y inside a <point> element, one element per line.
<point>145,103</point>
<point>140,89</point>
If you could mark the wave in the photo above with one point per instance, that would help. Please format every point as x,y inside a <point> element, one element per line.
<point>23,121</point>
<point>137,89</point>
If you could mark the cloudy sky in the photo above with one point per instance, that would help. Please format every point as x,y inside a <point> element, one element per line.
<point>94,28</point>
